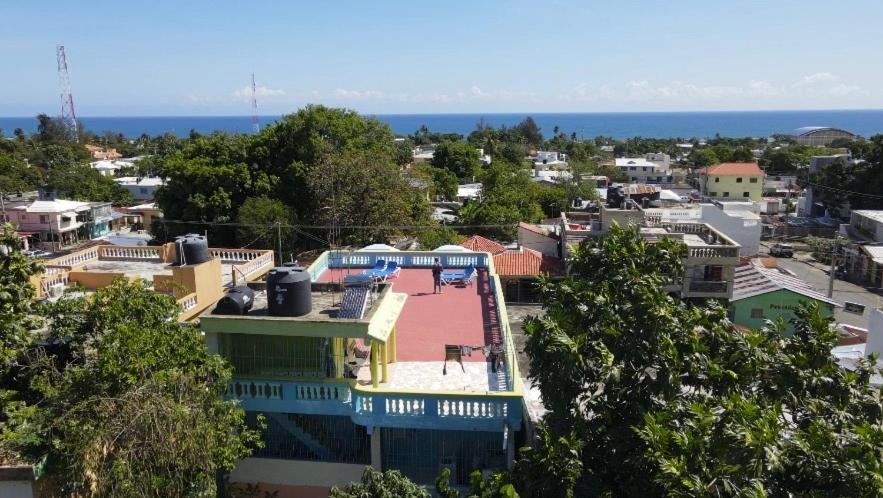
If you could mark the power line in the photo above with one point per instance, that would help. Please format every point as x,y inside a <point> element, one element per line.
<point>358,227</point>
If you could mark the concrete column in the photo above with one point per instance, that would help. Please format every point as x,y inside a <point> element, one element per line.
<point>375,381</point>
<point>383,374</point>
<point>211,342</point>
<point>391,344</point>
<point>510,448</point>
<point>375,450</point>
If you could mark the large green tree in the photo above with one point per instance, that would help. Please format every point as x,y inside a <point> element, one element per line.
<point>121,399</point>
<point>460,158</point>
<point>651,396</point>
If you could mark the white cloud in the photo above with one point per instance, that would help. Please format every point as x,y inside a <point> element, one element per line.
<point>260,91</point>
<point>814,79</point>
<point>343,93</point>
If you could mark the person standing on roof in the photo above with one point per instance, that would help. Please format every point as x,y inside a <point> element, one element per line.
<point>436,276</point>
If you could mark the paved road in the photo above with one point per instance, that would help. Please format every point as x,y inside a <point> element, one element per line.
<point>816,275</point>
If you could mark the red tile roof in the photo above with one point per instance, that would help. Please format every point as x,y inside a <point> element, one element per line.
<point>525,263</point>
<point>482,244</point>
<point>533,228</point>
<point>733,169</point>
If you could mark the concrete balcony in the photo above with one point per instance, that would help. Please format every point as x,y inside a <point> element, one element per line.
<point>490,411</point>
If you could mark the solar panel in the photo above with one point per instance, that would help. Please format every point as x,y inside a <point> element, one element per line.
<point>355,300</point>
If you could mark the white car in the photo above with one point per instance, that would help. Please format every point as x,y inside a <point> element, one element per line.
<point>35,253</point>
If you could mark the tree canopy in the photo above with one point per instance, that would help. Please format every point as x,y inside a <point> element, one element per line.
<point>651,396</point>
<point>121,399</point>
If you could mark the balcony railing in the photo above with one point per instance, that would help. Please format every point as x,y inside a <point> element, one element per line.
<point>464,411</point>
<point>712,252</point>
<point>413,259</point>
<point>131,253</point>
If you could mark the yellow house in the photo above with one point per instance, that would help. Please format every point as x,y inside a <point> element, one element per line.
<point>732,182</point>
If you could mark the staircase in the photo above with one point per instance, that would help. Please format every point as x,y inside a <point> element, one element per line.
<point>306,439</point>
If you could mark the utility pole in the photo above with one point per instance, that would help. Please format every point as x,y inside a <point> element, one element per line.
<point>833,267</point>
<point>279,240</point>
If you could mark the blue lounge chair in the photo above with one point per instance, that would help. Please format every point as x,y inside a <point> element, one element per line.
<point>379,266</point>
<point>392,270</point>
<point>459,277</point>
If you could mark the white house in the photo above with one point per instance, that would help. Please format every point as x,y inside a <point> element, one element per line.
<point>640,170</point>
<point>546,159</point>
<point>111,167</point>
<point>141,188</point>
<point>737,220</point>
<point>57,222</point>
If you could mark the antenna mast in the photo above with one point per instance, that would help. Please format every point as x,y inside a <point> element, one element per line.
<point>254,108</point>
<point>68,114</point>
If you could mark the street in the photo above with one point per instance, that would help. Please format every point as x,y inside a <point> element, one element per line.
<point>816,275</point>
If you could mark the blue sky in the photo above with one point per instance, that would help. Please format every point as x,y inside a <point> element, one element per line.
<point>195,57</point>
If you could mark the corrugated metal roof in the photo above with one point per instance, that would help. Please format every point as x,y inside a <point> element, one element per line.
<point>751,280</point>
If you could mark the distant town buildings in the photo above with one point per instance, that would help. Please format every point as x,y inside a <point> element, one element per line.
<point>812,202</point>
<point>732,181</point>
<point>101,153</point>
<point>56,224</point>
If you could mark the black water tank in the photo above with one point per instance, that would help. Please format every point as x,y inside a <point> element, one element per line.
<point>236,302</point>
<point>191,249</point>
<point>288,291</point>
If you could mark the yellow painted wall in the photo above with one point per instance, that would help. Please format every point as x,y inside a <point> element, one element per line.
<point>94,280</point>
<point>728,183</point>
<point>204,279</point>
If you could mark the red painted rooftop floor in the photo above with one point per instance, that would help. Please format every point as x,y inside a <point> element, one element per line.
<point>460,315</point>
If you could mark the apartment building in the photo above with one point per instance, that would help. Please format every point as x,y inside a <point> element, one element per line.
<point>360,371</point>
<point>58,223</point>
<point>738,220</point>
<point>709,261</point>
<point>732,181</point>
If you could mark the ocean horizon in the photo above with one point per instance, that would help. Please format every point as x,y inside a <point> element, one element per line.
<point>619,125</point>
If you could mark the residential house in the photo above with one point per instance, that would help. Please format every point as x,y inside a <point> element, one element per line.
<point>710,256</point>
<point>732,181</point>
<point>141,188</point>
<point>101,153</point>
<point>549,159</point>
<point>385,374</point>
<point>849,354</point>
<point>197,285</point>
<point>539,239</point>
<point>761,293</point>
<point>738,220</point>
<point>868,223</point>
<point>642,170</point>
<point>57,223</point>
<point>147,214</point>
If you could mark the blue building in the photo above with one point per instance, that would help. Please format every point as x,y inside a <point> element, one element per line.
<point>387,374</point>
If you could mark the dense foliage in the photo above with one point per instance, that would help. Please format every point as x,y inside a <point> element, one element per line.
<point>650,396</point>
<point>120,399</point>
<point>325,166</point>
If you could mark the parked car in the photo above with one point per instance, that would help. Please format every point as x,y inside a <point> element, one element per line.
<point>36,253</point>
<point>780,250</point>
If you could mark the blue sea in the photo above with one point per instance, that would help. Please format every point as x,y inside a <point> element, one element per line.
<point>586,125</point>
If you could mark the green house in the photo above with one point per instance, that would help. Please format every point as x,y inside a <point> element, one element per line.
<point>761,294</point>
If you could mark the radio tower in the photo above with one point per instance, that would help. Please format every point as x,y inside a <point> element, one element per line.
<point>254,109</point>
<point>68,114</point>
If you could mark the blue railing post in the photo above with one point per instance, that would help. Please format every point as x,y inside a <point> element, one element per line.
<point>430,407</point>
<point>378,404</point>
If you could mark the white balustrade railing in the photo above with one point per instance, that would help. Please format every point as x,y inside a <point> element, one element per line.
<point>48,282</point>
<point>189,301</point>
<point>467,408</point>
<point>75,259</point>
<point>136,253</point>
<point>414,407</point>
<point>254,266</point>
<point>237,255</point>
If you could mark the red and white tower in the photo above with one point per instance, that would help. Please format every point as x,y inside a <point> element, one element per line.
<point>255,123</point>
<point>68,114</point>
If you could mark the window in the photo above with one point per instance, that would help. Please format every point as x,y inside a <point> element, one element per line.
<point>739,179</point>
<point>752,180</point>
<point>712,194</point>
<point>756,313</point>
<point>726,194</point>
<point>24,217</point>
<point>717,179</point>
<point>143,190</point>
<point>746,194</point>
<point>634,178</point>
<point>643,168</point>
<point>44,219</point>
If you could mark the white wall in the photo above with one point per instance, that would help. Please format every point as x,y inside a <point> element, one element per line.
<point>295,472</point>
<point>537,242</point>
